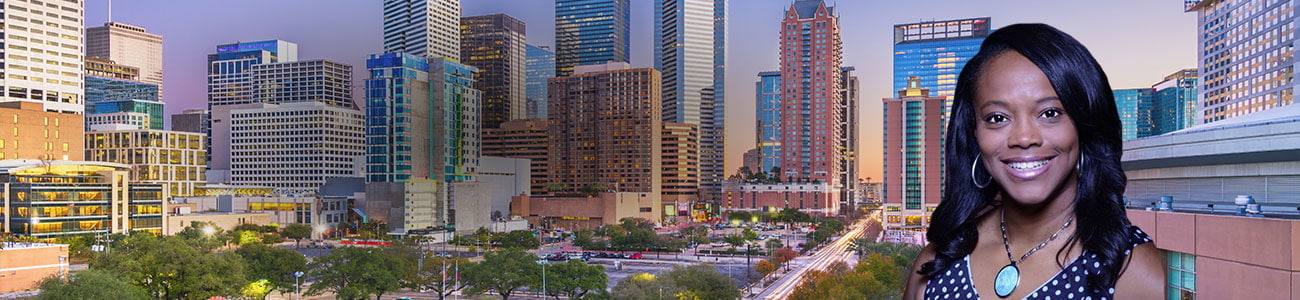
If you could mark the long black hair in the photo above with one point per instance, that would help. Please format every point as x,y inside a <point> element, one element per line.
<point>1100,220</point>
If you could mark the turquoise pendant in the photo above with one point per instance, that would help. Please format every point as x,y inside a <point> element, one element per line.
<point>1007,280</point>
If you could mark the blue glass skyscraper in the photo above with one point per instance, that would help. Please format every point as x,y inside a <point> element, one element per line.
<point>1134,106</point>
<point>591,32</point>
<point>111,95</point>
<point>541,66</point>
<point>422,119</point>
<point>1174,102</point>
<point>768,91</point>
<point>229,70</point>
<point>935,52</point>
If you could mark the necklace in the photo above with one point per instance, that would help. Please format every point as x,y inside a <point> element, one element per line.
<point>1009,276</point>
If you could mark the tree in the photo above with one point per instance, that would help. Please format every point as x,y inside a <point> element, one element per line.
<point>773,244</point>
<point>573,279</point>
<point>173,267</point>
<point>735,240</point>
<point>749,234</point>
<point>437,274</point>
<point>502,272</point>
<point>784,255</point>
<point>522,239</point>
<point>206,236</point>
<point>555,187</point>
<point>297,232</point>
<point>357,273</point>
<point>582,239</point>
<point>739,215</point>
<point>90,284</point>
<point>641,286</point>
<point>765,267</point>
<point>372,229</point>
<point>591,189</point>
<point>275,265</point>
<point>681,282</point>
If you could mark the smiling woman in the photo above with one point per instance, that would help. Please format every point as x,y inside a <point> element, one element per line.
<point>1032,155</point>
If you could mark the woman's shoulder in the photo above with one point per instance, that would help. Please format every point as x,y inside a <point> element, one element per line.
<point>1136,237</point>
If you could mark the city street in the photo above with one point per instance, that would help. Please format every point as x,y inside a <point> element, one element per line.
<point>835,251</point>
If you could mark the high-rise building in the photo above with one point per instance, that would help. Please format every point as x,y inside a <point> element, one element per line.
<point>425,28</point>
<point>541,67</point>
<point>29,131</point>
<point>813,115</point>
<point>935,52</point>
<point>115,96</point>
<point>103,67</point>
<point>680,163</point>
<point>141,113</point>
<point>42,53</point>
<point>522,139</point>
<point>1134,106</point>
<point>230,70</point>
<point>913,125</point>
<point>687,51</point>
<point>497,46</point>
<point>615,140</point>
<point>317,80</point>
<point>171,158</point>
<point>849,93</point>
<point>752,160</point>
<point>191,120</point>
<point>591,32</point>
<point>421,119</point>
<point>129,45</point>
<point>1174,102</point>
<point>768,91</point>
<point>1246,56</point>
<point>58,198</point>
<point>291,146</point>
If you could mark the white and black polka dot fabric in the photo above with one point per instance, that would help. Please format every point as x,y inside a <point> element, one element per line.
<point>1069,284</point>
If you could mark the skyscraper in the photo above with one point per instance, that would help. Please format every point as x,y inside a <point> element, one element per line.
<point>496,45</point>
<point>114,96</point>
<point>425,28</point>
<point>230,69</point>
<point>1174,102</point>
<point>615,141</point>
<point>693,64</point>
<point>129,45</point>
<point>591,32</point>
<point>420,119</point>
<point>935,52</point>
<point>292,146</point>
<point>541,66</point>
<point>43,54</point>
<point>768,91</point>
<point>913,132</point>
<point>1134,106</point>
<point>813,115</point>
<point>1246,56</point>
<point>849,136</point>
<point>319,80</point>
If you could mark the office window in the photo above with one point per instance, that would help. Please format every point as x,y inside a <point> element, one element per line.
<point>1181,282</point>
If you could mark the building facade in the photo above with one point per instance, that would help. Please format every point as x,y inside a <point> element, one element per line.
<point>103,67</point>
<point>849,93</point>
<point>752,160</point>
<point>768,91</point>
<point>26,264</point>
<point>1135,110</point>
<point>316,80</point>
<point>43,47</point>
<point>424,28</point>
<point>290,146</point>
<point>497,45</point>
<point>171,158</point>
<point>422,119</point>
<point>574,213</point>
<point>56,198</point>
<point>614,140</point>
<point>687,33</point>
<point>681,169</point>
<point>230,70</point>
<point>811,58</point>
<point>525,139</point>
<point>191,120</point>
<point>131,46</point>
<point>935,52</point>
<point>1173,102</point>
<point>591,32</point>
<point>1246,56</point>
<point>541,67</point>
<point>913,157</point>
<point>29,131</point>
<point>812,198</point>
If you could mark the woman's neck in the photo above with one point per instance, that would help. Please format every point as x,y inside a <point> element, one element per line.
<point>1031,223</point>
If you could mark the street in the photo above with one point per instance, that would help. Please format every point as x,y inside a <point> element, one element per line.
<point>835,251</point>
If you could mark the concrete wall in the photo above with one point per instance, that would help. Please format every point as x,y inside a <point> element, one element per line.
<point>24,265</point>
<point>506,178</point>
<point>473,204</point>
<point>406,205</point>
<point>586,212</point>
<point>227,221</point>
<point>1237,257</point>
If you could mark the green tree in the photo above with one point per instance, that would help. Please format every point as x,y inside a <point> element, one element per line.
<point>173,267</point>
<point>357,273</point>
<point>437,274</point>
<point>591,189</point>
<point>523,239</point>
<point>90,284</point>
<point>555,187</point>
<point>765,267</point>
<point>749,234</point>
<point>372,229</point>
<point>502,272</point>
<point>275,265</point>
<point>743,216</point>
<point>296,232</point>
<point>583,239</point>
<point>573,279</point>
<point>681,282</point>
<point>206,236</point>
<point>773,244</point>
<point>735,240</point>
<point>641,286</point>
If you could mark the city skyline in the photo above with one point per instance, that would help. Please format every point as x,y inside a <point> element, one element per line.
<point>1133,52</point>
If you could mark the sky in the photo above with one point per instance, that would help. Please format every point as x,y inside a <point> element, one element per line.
<point>1137,42</point>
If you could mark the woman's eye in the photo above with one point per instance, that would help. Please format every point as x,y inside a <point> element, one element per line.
<point>1052,113</point>
<point>995,119</point>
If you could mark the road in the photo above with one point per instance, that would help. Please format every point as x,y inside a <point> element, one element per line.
<point>834,252</point>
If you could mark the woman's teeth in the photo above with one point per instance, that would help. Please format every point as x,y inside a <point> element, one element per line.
<point>1028,165</point>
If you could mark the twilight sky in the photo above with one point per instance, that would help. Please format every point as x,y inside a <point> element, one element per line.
<point>1137,42</point>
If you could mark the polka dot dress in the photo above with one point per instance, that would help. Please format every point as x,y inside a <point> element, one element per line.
<point>1068,284</point>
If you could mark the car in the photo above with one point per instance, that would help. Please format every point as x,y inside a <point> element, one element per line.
<point>636,256</point>
<point>718,244</point>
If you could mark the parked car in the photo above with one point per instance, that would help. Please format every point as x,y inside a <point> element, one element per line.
<point>636,256</point>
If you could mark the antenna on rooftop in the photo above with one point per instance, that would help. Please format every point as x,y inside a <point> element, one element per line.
<point>110,11</point>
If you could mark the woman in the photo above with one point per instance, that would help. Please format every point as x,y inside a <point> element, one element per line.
<point>1033,167</point>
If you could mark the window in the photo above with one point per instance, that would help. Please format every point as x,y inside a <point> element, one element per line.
<point>1181,282</point>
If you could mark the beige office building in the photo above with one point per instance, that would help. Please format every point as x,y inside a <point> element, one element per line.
<point>129,45</point>
<point>43,54</point>
<point>172,158</point>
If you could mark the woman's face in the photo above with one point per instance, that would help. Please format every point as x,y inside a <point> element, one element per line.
<point>1026,140</point>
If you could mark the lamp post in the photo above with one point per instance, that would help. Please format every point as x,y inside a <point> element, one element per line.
<point>297,285</point>
<point>543,262</point>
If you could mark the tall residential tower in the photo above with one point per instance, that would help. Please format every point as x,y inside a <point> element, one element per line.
<point>813,114</point>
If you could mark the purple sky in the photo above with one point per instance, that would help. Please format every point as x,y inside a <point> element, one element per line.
<point>1137,42</point>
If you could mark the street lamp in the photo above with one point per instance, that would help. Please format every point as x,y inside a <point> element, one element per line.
<point>543,262</point>
<point>297,285</point>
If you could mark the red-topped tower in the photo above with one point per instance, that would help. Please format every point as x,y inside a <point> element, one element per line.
<point>812,108</point>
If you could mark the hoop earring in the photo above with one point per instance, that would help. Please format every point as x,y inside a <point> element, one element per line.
<point>972,174</point>
<point>1079,168</point>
